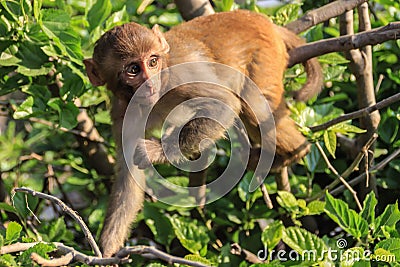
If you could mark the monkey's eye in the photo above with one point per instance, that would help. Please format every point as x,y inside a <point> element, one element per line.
<point>153,62</point>
<point>133,69</point>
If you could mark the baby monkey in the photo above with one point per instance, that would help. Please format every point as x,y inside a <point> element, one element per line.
<point>128,55</point>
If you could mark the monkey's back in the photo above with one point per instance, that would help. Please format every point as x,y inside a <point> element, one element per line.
<point>244,40</point>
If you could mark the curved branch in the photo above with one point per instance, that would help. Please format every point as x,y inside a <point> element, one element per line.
<point>357,114</point>
<point>70,255</point>
<point>316,16</point>
<point>67,210</point>
<point>344,43</point>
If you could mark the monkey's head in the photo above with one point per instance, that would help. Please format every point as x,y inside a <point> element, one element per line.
<point>127,56</point>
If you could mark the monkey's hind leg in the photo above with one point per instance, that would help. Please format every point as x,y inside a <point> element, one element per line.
<point>291,145</point>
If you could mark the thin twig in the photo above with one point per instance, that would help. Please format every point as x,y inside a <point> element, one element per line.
<point>265,194</point>
<point>357,114</point>
<point>373,169</point>
<point>73,131</point>
<point>335,172</point>
<point>236,249</point>
<point>353,166</point>
<point>67,210</point>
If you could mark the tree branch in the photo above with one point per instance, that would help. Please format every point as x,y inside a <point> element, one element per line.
<point>66,209</point>
<point>70,255</point>
<point>236,249</point>
<point>344,43</point>
<point>316,16</point>
<point>373,169</point>
<point>338,176</point>
<point>348,171</point>
<point>357,114</point>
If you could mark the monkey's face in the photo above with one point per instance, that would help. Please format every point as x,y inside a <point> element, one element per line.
<point>141,76</point>
<point>129,59</point>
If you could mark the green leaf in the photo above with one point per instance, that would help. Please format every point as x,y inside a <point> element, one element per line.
<point>7,260</point>
<point>98,13</point>
<point>348,219</point>
<point>346,128</point>
<point>21,203</point>
<point>25,109</point>
<point>313,159</point>
<point>392,245</point>
<point>67,112</point>
<point>389,217</point>
<point>315,207</point>
<point>41,249</point>
<point>272,234</point>
<point>309,246</point>
<point>193,257</point>
<point>7,60</point>
<point>191,235</point>
<point>159,224</point>
<point>287,13</point>
<point>287,200</point>
<point>333,58</point>
<point>73,86</point>
<point>243,187</point>
<point>383,255</point>
<point>351,257</point>
<point>56,231</point>
<point>55,20</point>
<point>330,142</point>
<point>56,25</point>
<point>368,211</point>
<point>8,208</point>
<point>13,232</point>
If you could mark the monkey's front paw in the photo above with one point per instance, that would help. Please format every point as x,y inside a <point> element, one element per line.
<point>147,152</point>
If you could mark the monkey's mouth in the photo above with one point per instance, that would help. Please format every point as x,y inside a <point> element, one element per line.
<point>148,99</point>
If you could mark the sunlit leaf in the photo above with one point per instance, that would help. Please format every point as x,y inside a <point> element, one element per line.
<point>348,219</point>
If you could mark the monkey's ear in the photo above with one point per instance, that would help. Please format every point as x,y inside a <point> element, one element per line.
<point>158,33</point>
<point>91,71</point>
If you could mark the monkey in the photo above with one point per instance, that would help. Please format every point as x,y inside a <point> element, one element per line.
<point>127,56</point>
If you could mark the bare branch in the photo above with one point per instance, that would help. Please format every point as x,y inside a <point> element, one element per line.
<point>338,176</point>
<point>372,169</point>
<point>236,249</point>
<point>67,210</point>
<point>316,16</point>
<point>344,43</point>
<point>71,255</point>
<point>348,171</point>
<point>157,253</point>
<point>357,114</point>
<point>16,247</point>
<point>62,261</point>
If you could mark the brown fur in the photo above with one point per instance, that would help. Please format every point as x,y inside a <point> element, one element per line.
<point>243,40</point>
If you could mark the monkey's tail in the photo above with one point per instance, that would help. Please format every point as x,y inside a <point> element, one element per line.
<point>312,67</point>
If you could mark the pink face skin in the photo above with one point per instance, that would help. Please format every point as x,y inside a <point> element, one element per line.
<point>138,72</point>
